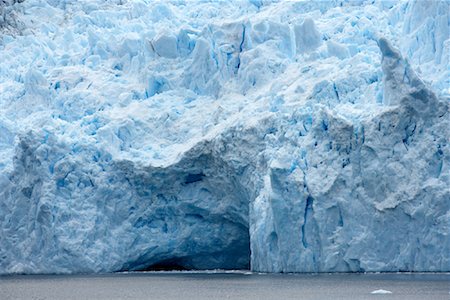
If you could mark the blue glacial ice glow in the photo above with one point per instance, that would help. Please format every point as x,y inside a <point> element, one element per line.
<point>289,136</point>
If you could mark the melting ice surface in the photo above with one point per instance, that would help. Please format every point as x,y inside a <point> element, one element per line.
<point>289,136</point>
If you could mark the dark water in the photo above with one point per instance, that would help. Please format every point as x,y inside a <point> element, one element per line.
<point>233,285</point>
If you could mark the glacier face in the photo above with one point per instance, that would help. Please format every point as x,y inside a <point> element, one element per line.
<point>278,136</point>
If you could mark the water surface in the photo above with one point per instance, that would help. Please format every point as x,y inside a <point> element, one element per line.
<point>225,285</point>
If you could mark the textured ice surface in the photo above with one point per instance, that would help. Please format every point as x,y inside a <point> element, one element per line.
<point>288,136</point>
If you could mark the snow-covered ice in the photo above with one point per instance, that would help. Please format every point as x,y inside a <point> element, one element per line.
<point>290,136</point>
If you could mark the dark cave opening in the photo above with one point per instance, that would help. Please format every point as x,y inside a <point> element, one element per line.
<point>231,255</point>
<point>166,265</point>
<point>235,257</point>
<point>198,214</point>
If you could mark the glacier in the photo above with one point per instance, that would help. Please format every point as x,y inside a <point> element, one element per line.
<point>275,136</point>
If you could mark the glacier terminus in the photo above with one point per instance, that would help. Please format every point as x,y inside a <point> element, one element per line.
<point>275,136</point>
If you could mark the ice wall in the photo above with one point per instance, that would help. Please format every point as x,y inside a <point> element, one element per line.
<point>278,136</point>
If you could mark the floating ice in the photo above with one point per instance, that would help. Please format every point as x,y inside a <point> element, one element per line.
<point>289,136</point>
<point>381,292</point>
